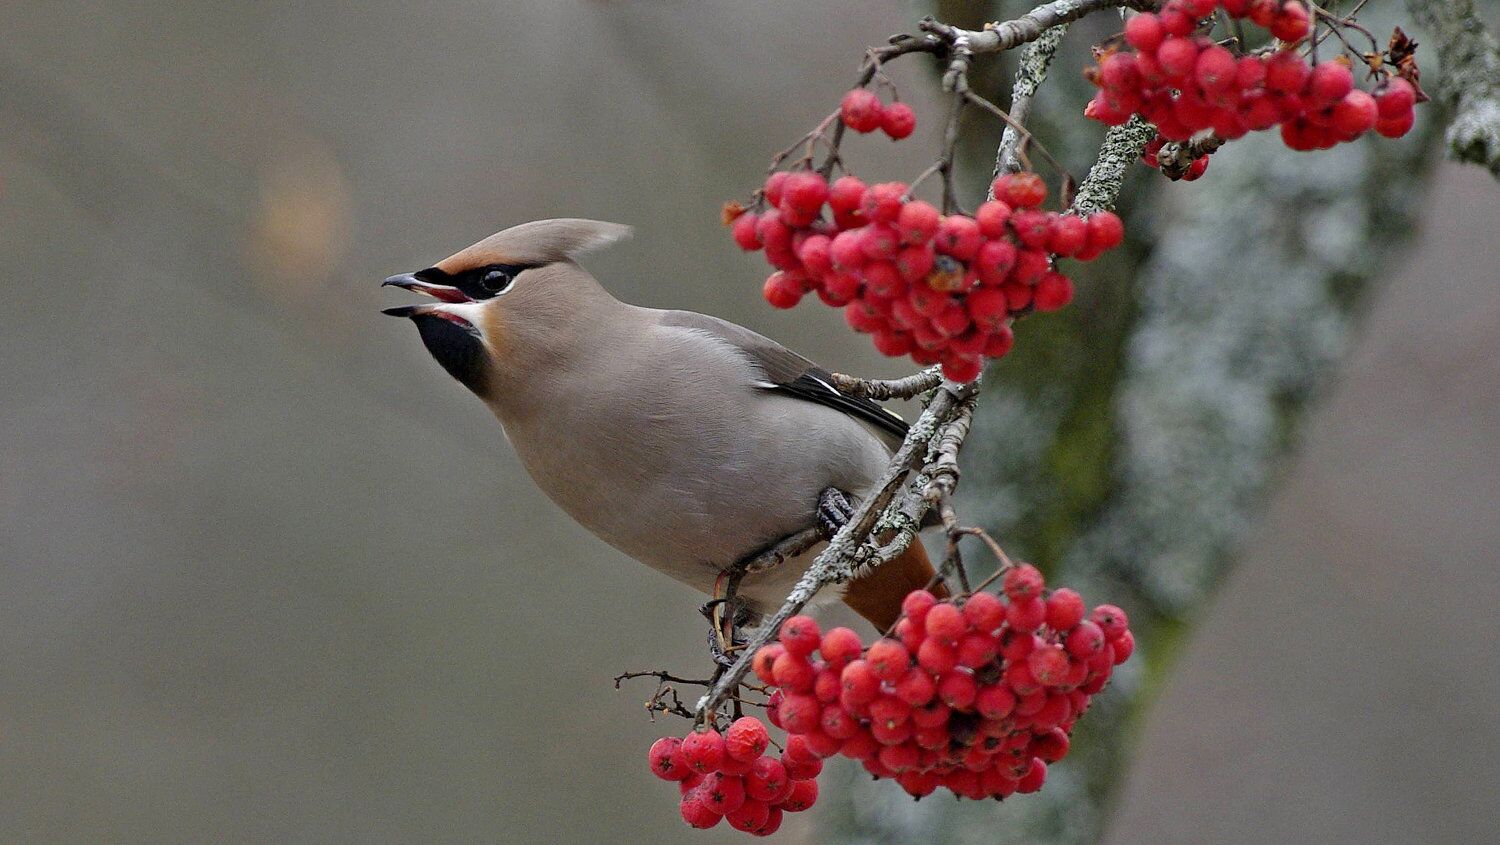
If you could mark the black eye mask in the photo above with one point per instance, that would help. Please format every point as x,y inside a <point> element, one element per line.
<point>480,283</point>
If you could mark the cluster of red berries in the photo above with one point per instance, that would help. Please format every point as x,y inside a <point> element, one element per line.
<point>729,776</point>
<point>940,288</point>
<point>975,695</point>
<point>862,111</point>
<point>1182,81</point>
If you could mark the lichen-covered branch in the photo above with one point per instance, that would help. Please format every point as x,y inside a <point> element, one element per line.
<point>1470,84</point>
<point>1122,146</point>
<point>1030,26</point>
<point>880,390</point>
<point>1032,70</point>
<point>836,562</point>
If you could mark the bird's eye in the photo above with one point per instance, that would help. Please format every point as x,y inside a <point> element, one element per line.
<point>495,281</point>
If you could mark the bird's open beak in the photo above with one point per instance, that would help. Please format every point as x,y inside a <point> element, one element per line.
<point>441,292</point>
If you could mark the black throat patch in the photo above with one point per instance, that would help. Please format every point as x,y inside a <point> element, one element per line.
<point>456,348</point>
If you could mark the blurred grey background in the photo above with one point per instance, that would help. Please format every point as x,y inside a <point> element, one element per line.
<point>271,576</point>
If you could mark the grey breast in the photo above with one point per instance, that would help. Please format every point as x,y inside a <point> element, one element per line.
<point>678,455</point>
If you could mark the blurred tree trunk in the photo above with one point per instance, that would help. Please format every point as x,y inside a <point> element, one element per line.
<point>1128,441</point>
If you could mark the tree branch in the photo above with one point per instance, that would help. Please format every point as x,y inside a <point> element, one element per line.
<point>1470,84</point>
<point>1122,146</point>
<point>1029,27</point>
<point>1032,70</point>
<point>836,562</point>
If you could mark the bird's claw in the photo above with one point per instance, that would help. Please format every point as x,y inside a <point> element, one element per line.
<point>834,510</point>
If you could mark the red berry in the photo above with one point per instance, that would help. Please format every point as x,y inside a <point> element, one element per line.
<point>994,701</point>
<point>1291,24</point>
<point>839,646</point>
<point>845,194</point>
<point>721,793</point>
<point>915,687</point>
<point>898,120</point>
<point>773,823</point>
<point>1053,291</point>
<point>1110,619</point>
<point>1177,21</point>
<point>977,650</point>
<point>1052,745</point>
<point>746,739</point>
<point>765,660</point>
<point>1069,235</point>
<point>917,604</point>
<point>888,659</point>
<point>984,612</point>
<point>917,222</point>
<point>1020,190</point>
<point>767,780</point>
<point>1216,69</point>
<point>799,713</point>
<point>804,191</point>
<point>1033,228</point>
<point>1085,640</point>
<point>1023,582</point>
<point>804,795</point>
<point>793,673</point>
<point>1106,230</point>
<point>861,110</point>
<point>999,343</point>
<point>1144,32</point>
<point>775,183</point>
<point>666,759</point>
<point>1033,779</point>
<point>962,368</point>
<point>957,689</point>
<point>744,232</point>
<point>1025,614</point>
<point>1049,665</point>
<point>1395,98</point>
<point>1177,57</point>
<point>936,657</point>
<point>861,684</point>
<point>992,217</point>
<point>1065,609</point>
<point>958,236</point>
<point>882,202</point>
<point>1395,127</point>
<point>1287,72</point>
<point>800,635</point>
<point>1124,646</point>
<point>1329,82</point>
<point>945,622</point>
<point>703,750</point>
<point>782,290</point>
<point>1196,169</point>
<point>750,817</point>
<point>1355,113</point>
<point>696,813</point>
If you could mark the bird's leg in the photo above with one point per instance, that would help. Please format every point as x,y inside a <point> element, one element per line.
<point>741,614</point>
<point>834,510</point>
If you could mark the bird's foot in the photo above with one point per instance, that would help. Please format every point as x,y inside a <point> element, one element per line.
<point>722,656</point>
<point>834,510</point>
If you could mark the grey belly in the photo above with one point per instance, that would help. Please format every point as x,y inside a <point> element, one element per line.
<point>690,494</point>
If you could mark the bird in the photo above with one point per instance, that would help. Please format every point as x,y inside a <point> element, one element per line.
<point>685,441</point>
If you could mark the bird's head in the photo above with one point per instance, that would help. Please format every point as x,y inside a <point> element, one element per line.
<point>504,301</point>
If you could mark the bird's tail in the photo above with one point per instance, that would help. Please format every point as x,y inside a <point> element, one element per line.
<point>878,595</point>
